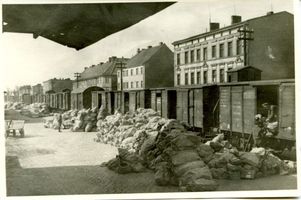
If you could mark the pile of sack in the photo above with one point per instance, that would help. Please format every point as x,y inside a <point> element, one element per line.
<point>36,110</point>
<point>178,156</point>
<point>76,120</point>
<point>13,106</point>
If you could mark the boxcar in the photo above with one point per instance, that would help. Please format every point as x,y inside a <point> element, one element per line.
<point>240,102</point>
<point>198,106</point>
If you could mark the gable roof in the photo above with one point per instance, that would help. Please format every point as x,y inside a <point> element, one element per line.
<point>144,56</point>
<point>102,69</point>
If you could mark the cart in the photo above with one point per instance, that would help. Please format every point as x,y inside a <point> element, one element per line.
<point>14,126</point>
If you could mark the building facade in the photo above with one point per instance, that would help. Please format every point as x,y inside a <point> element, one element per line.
<point>149,68</point>
<point>56,93</point>
<point>206,58</point>
<point>25,94</point>
<point>37,93</point>
<point>96,78</point>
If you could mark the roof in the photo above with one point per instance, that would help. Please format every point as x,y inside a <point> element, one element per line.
<point>144,56</point>
<point>102,69</point>
<point>76,25</point>
<point>226,28</point>
<point>242,67</point>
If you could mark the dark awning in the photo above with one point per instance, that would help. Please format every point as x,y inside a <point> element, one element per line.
<point>76,25</point>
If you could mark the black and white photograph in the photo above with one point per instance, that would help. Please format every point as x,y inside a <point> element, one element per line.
<point>149,99</point>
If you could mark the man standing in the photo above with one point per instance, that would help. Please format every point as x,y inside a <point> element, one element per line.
<point>60,120</point>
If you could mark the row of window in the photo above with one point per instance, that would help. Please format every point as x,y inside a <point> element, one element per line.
<point>133,71</point>
<point>132,84</point>
<point>194,81</point>
<point>195,54</point>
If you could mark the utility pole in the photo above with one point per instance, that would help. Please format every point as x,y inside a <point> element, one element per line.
<point>121,67</point>
<point>77,75</point>
<point>245,35</point>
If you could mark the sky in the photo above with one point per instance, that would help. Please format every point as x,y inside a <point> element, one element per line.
<point>31,61</point>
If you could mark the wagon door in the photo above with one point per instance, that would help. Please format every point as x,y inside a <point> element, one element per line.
<point>164,104</point>
<point>237,109</point>
<point>198,108</point>
<point>132,102</point>
<point>153,100</point>
<point>182,105</point>
<point>191,107</point>
<point>94,99</point>
<point>249,109</point>
<point>287,111</point>
<point>225,108</point>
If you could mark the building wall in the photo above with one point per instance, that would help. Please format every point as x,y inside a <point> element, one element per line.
<point>133,78</point>
<point>102,82</point>
<point>197,61</point>
<point>159,69</point>
<point>272,49</point>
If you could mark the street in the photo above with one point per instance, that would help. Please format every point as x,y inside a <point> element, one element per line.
<point>46,162</point>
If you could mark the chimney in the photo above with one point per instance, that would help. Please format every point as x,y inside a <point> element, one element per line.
<point>161,43</point>
<point>270,13</point>
<point>235,19</point>
<point>112,59</point>
<point>149,47</point>
<point>101,63</point>
<point>214,26</point>
<point>86,68</point>
<point>138,50</point>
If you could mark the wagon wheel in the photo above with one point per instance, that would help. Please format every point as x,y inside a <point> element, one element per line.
<point>22,132</point>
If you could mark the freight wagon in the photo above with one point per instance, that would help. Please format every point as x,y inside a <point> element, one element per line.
<point>240,102</point>
<point>163,100</point>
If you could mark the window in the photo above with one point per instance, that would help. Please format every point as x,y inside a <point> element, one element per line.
<point>238,47</point>
<point>132,85</point>
<point>213,51</point>
<point>132,72</point>
<point>198,54</point>
<point>141,70</point>
<point>230,48</point>
<point>178,58</point>
<point>192,78</point>
<point>222,75</point>
<point>186,78</point>
<point>221,50</point>
<point>118,74</point>
<point>205,53</point>
<point>141,83</point>
<point>178,79</point>
<point>118,86</point>
<point>205,77</point>
<point>192,56</point>
<point>186,57</point>
<point>137,84</point>
<point>213,76</point>
<point>137,71</point>
<point>198,77</point>
<point>127,84</point>
<point>107,80</point>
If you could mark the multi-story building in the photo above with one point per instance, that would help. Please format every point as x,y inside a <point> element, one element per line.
<point>25,94</point>
<point>57,93</point>
<point>101,77</point>
<point>149,68</point>
<point>206,58</point>
<point>37,93</point>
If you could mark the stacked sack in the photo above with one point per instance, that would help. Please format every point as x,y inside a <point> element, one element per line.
<point>177,155</point>
<point>85,120</point>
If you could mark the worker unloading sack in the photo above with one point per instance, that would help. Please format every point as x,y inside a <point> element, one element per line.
<point>267,121</point>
